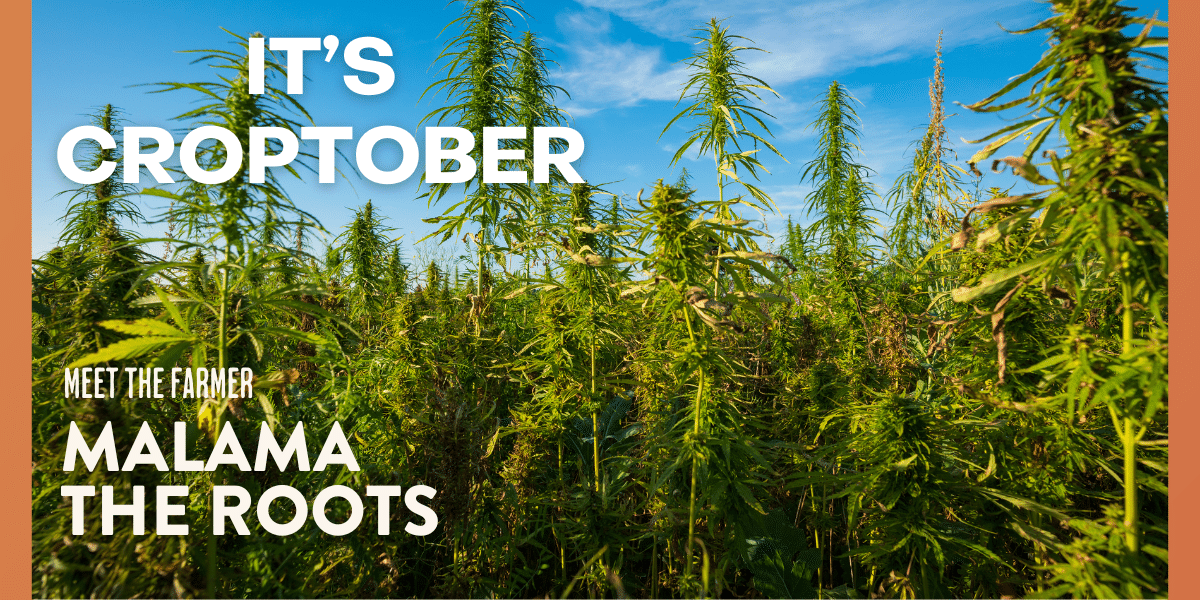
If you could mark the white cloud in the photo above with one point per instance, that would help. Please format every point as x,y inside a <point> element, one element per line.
<point>577,110</point>
<point>601,73</point>
<point>805,41</point>
<point>584,23</point>
<point>692,153</point>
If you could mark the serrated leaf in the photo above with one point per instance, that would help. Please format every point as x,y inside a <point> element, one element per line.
<point>126,349</point>
<point>143,327</point>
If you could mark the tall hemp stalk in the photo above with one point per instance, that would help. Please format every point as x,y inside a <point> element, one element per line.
<point>479,81</point>
<point>364,246</point>
<point>97,206</point>
<point>841,195</point>
<point>582,286</point>
<point>925,202</point>
<point>928,196</point>
<point>688,244</point>
<point>1101,214</point>
<point>588,280</point>
<point>535,108</point>
<point>721,93</point>
<point>93,224</point>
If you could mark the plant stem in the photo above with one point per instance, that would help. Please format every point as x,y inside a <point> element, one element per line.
<point>595,427</point>
<point>1131,504</point>
<point>211,559</point>
<point>695,433</point>
<point>695,461</point>
<point>211,567</point>
<point>1128,438</point>
<point>221,317</point>
<point>719,155</point>
<point>479,281</point>
<point>562,553</point>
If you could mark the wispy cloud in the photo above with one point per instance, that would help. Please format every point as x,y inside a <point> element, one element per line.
<point>803,42</point>
<point>602,73</point>
<point>692,153</point>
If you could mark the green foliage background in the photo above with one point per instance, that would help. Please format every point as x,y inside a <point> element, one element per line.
<point>665,402</point>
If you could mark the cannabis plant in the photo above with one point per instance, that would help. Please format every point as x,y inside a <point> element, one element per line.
<point>479,81</point>
<point>723,114</point>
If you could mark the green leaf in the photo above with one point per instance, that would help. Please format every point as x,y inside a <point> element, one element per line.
<point>1015,131</point>
<point>126,349</point>
<point>996,280</point>
<point>144,327</point>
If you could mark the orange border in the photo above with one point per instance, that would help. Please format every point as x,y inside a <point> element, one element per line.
<point>1184,323</point>
<point>15,240</point>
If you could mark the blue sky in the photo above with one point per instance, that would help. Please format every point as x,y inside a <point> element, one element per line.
<point>619,60</point>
